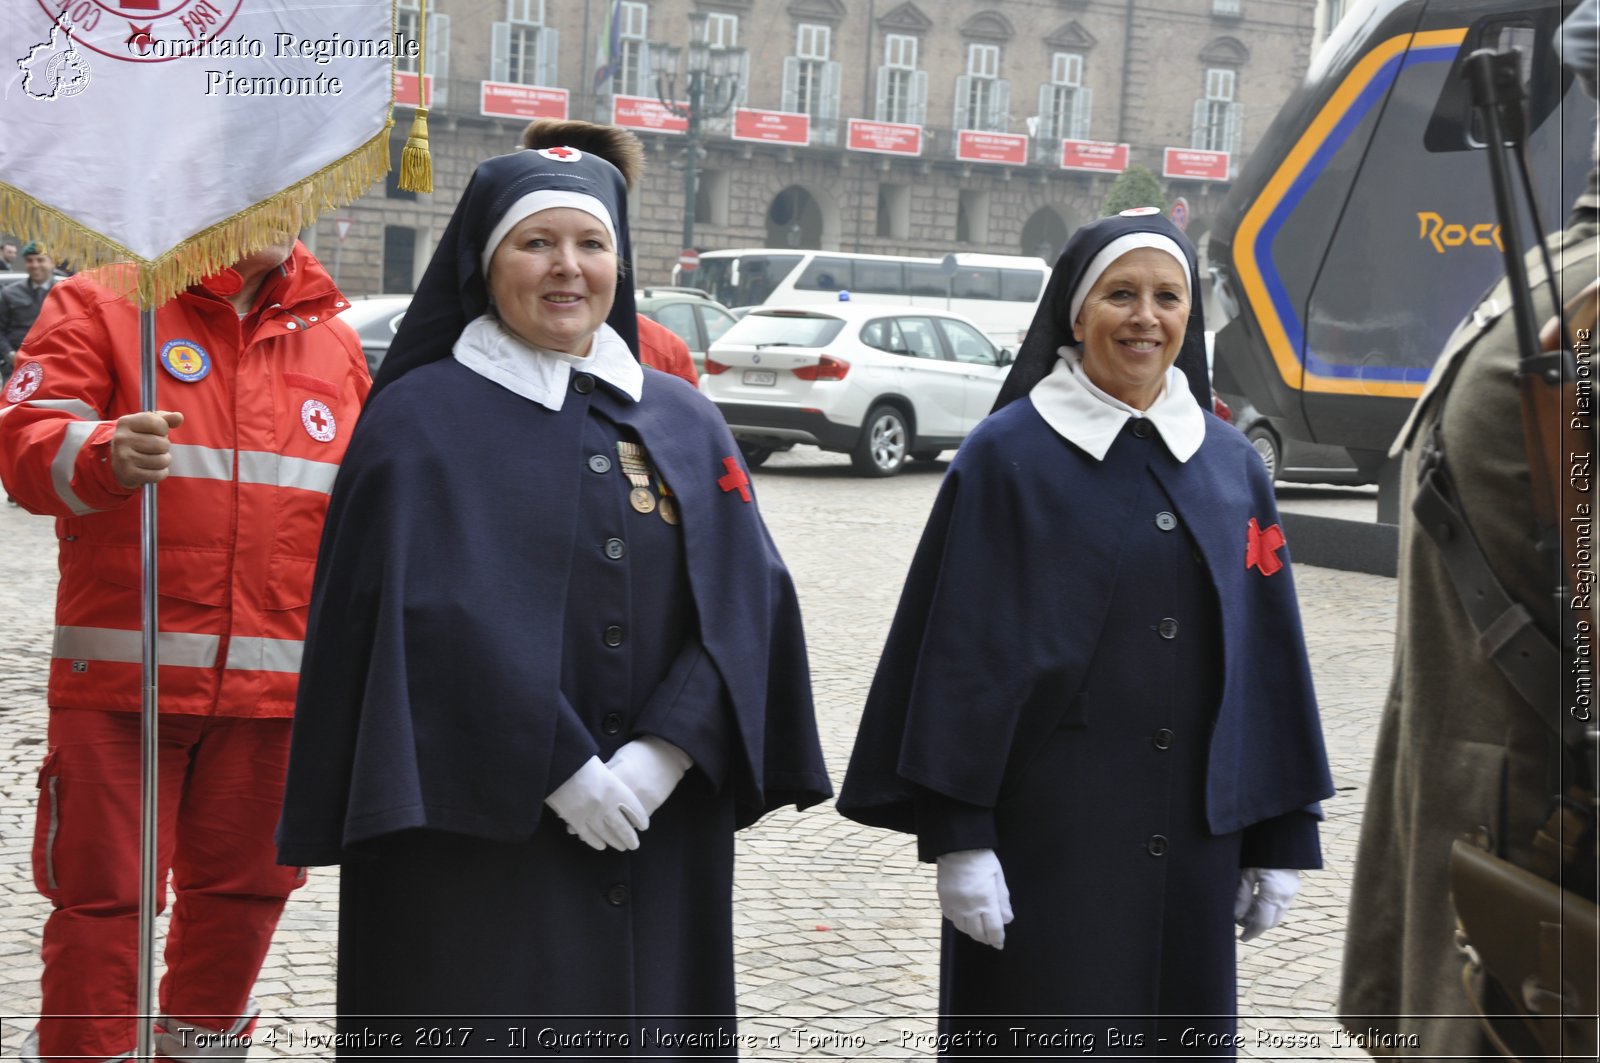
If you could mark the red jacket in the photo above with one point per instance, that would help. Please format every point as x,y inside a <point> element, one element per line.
<point>661,348</point>
<point>268,402</point>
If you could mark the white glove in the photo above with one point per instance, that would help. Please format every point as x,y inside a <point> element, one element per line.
<point>1263,897</point>
<point>651,768</point>
<point>599,808</point>
<point>973,895</point>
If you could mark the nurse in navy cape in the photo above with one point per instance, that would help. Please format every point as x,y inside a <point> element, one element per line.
<point>1094,709</point>
<point>554,660</point>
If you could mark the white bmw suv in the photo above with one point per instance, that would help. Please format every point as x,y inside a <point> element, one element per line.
<point>882,384</point>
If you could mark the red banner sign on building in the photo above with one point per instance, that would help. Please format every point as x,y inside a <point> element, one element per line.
<point>1196,164</point>
<point>501,99</point>
<point>1009,148</point>
<point>885,138</point>
<point>779,127</point>
<point>644,112</point>
<point>405,90</point>
<point>1093,155</point>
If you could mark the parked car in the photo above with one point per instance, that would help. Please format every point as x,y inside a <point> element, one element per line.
<point>1292,460</point>
<point>879,384</point>
<point>375,318</point>
<point>696,317</point>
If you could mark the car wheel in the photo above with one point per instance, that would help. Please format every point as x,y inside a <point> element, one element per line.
<point>884,443</point>
<point>926,455</point>
<point>754,455</point>
<point>1266,443</point>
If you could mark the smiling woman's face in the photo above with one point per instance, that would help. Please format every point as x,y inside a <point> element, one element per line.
<point>1131,325</point>
<point>553,279</point>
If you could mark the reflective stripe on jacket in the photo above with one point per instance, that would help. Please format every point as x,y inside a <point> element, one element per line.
<point>269,402</point>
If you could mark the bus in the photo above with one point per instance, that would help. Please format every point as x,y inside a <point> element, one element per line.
<point>1363,227</point>
<point>998,292</point>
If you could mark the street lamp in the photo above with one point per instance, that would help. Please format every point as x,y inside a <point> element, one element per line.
<point>711,84</point>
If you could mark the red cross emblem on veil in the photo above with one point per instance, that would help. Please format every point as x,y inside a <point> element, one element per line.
<point>562,154</point>
<point>1261,548</point>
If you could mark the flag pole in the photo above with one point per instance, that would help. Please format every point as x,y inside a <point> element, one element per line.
<point>148,751</point>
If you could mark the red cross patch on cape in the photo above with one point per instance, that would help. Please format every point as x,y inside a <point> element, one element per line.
<point>1261,548</point>
<point>735,480</point>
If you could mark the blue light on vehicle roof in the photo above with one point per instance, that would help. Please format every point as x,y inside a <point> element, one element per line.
<point>844,296</point>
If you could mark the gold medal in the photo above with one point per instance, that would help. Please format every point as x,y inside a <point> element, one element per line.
<point>669,509</point>
<point>641,499</point>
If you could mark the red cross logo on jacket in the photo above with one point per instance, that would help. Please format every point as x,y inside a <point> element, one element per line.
<point>735,480</point>
<point>1261,548</point>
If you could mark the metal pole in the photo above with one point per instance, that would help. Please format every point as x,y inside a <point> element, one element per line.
<point>691,160</point>
<point>147,758</point>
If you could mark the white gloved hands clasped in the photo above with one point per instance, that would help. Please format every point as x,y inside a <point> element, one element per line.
<point>600,808</point>
<point>1264,895</point>
<point>651,768</point>
<point>973,895</point>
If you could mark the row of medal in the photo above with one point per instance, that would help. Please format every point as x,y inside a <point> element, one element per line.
<point>636,467</point>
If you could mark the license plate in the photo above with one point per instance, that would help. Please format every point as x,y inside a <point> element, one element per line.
<point>763,377</point>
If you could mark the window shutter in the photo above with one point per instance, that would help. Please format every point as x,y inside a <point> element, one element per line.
<point>919,98</point>
<point>1000,107</point>
<point>439,55</point>
<point>791,83</point>
<point>549,52</point>
<point>1047,112</point>
<point>963,90</point>
<point>741,95</point>
<point>1082,109</point>
<point>1197,132</point>
<point>880,111</point>
<point>1233,130</point>
<point>500,52</point>
<point>832,78</point>
<point>645,76</point>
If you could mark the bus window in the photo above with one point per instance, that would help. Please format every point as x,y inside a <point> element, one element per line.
<point>826,274</point>
<point>1020,285</point>
<point>745,281</point>
<point>926,279</point>
<point>881,278</point>
<point>975,282</point>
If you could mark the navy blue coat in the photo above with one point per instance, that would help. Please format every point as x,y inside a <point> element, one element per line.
<point>430,692</point>
<point>1086,676</point>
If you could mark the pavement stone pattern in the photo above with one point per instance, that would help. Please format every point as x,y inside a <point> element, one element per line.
<point>836,924</point>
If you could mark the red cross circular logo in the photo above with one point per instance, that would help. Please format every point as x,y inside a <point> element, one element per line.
<point>318,420</point>
<point>561,154</point>
<point>24,382</point>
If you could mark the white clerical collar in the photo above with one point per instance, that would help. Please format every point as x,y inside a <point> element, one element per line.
<point>541,376</point>
<point>1086,416</point>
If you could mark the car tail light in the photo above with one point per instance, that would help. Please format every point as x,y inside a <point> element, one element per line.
<point>1220,408</point>
<point>713,367</point>
<point>829,368</point>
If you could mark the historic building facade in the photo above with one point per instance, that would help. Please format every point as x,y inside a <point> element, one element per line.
<point>930,125</point>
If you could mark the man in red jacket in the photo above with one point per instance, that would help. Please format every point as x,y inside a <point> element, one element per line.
<point>257,392</point>
<point>661,348</point>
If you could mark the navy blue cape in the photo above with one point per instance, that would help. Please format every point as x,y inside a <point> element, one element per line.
<point>430,687</point>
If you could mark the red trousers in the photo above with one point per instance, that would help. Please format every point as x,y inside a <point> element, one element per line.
<point>221,787</point>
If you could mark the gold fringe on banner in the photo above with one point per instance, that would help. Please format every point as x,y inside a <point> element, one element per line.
<point>155,281</point>
<point>416,163</point>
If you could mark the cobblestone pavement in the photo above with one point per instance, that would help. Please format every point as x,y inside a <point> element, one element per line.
<point>836,924</point>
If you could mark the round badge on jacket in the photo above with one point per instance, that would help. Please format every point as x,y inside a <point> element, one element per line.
<point>318,420</point>
<point>186,360</point>
<point>24,382</point>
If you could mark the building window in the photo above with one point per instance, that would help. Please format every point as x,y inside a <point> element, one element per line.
<point>523,49</point>
<point>1225,8</point>
<point>711,197</point>
<point>811,81</point>
<point>1064,103</point>
<point>902,88</point>
<point>437,67</point>
<point>722,30</point>
<point>983,100</point>
<point>972,217</point>
<point>399,258</point>
<point>894,211</point>
<point>1218,118</point>
<point>632,74</point>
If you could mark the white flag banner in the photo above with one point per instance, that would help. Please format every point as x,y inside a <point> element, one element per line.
<point>180,134</point>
